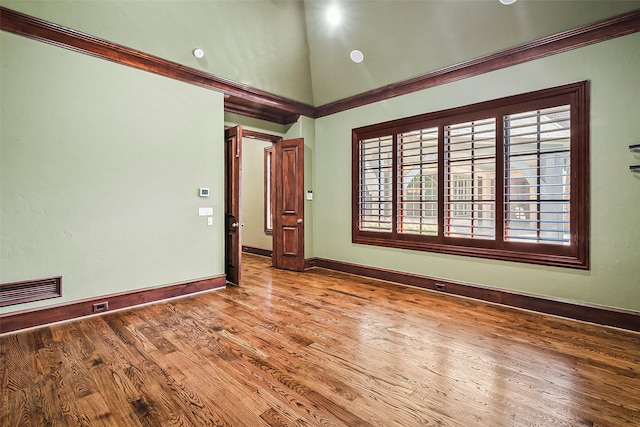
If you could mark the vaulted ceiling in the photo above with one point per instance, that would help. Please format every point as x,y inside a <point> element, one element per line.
<point>287,47</point>
<point>404,39</point>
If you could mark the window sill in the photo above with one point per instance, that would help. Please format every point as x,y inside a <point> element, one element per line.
<point>562,256</point>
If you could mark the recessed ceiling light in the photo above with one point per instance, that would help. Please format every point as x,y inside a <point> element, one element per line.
<point>356,56</point>
<point>508,1</point>
<point>334,15</point>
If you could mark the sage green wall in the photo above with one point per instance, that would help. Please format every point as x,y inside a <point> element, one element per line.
<point>100,166</point>
<point>260,43</point>
<point>614,278</point>
<point>253,194</point>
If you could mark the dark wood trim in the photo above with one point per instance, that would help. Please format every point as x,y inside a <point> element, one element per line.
<point>287,184</point>
<point>253,134</point>
<point>247,101</point>
<point>242,99</point>
<point>72,310</point>
<point>30,290</point>
<point>258,110</point>
<point>233,204</point>
<point>257,251</point>
<point>618,26</point>
<point>573,255</point>
<point>625,319</point>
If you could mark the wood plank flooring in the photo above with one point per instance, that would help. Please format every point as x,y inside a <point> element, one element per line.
<point>320,349</point>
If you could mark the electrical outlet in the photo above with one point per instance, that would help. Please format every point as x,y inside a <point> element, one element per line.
<point>100,306</point>
<point>440,287</point>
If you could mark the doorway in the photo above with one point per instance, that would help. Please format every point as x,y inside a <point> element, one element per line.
<point>285,203</point>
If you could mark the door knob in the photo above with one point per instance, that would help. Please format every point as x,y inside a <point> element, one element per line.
<point>234,225</point>
<point>299,221</point>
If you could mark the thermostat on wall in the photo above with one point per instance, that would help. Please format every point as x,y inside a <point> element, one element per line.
<point>204,192</point>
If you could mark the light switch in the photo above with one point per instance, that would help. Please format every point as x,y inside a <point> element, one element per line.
<point>205,211</point>
<point>210,220</point>
<point>309,195</point>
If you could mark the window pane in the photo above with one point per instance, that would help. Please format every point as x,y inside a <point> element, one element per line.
<point>268,218</point>
<point>537,175</point>
<point>470,172</point>
<point>417,201</point>
<point>504,179</point>
<point>375,171</point>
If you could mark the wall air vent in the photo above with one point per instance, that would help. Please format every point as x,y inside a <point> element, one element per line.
<point>30,290</point>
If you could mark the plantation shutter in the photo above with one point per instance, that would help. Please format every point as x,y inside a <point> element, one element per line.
<point>375,184</point>
<point>469,183</point>
<point>537,176</point>
<point>417,182</point>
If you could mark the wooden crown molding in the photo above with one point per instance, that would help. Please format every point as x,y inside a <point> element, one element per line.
<point>245,100</point>
<point>241,99</point>
<point>250,108</point>
<point>618,26</point>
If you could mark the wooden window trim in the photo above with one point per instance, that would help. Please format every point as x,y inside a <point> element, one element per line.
<point>573,255</point>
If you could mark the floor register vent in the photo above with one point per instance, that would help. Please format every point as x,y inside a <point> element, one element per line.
<point>30,290</point>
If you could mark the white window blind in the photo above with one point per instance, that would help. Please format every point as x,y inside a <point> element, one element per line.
<point>537,176</point>
<point>469,183</point>
<point>376,183</point>
<point>505,179</point>
<point>417,182</point>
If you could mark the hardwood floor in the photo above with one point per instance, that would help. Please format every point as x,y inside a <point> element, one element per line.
<point>320,348</point>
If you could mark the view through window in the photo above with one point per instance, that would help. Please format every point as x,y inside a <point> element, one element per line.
<point>509,177</point>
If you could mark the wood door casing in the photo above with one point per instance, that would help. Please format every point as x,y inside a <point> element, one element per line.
<point>232,203</point>
<point>288,189</point>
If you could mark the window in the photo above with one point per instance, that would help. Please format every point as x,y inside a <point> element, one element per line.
<point>268,216</point>
<point>504,179</point>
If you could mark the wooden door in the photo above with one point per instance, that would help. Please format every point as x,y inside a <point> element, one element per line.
<point>233,218</point>
<point>288,217</point>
